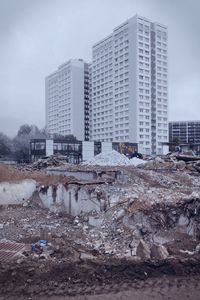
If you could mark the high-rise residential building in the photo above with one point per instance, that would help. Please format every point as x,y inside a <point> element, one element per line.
<point>184,132</point>
<point>90,101</point>
<point>130,85</point>
<point>87,101</point>
<point>67,99</point>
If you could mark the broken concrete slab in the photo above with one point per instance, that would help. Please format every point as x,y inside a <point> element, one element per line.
<point>143,250</point>
<point>159,252</point>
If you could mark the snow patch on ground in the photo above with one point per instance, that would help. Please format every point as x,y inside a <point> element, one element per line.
<point>113,158</point>
<point>136,161</point>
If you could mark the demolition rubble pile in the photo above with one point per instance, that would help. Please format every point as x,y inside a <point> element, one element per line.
<point>51,161</point>
<point>190,164</point>
<point>43,163</point>
<point>140,206</point>
<point>113,158</point>
<point>148,220</point>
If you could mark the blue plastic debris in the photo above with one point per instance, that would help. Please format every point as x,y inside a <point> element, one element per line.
<point>42,243</point>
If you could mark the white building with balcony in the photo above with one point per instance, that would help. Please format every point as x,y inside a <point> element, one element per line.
<point>67,99</point>
<point>130,86</point>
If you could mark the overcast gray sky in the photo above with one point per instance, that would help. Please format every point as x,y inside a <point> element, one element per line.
<point>38,35</point>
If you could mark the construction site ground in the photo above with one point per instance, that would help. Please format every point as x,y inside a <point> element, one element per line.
<point>145,245</point>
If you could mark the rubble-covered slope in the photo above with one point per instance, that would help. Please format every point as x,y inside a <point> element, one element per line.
<point>147,224</point>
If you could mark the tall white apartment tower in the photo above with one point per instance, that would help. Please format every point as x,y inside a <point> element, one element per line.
<point>67,99</point>
<point>129,86</point>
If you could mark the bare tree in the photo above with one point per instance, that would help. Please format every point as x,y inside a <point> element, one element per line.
<point>22,141</point>
<point>5,145</point>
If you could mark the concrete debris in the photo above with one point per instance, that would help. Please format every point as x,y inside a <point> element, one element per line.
<point>186,252</point>
<point>50,161</point>
<point>86,256</point>
<point>197,249</point>
<point>144,215</point>
<point>174,162</point>
<point>159,252</point>
<point>143,250</point>
<point>180,165</point>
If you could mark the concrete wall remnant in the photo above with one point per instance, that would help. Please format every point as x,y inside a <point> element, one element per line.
<point>16,192</point>
<point>79,175</point>
<point>73,199</point>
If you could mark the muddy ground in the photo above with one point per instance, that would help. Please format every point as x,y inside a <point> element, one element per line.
<point>118,279</point>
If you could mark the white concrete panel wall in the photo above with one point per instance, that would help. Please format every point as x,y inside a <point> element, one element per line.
<point>106,147</point>
<point>79,201</point>
<point>165,149</point>
<point>88,150</point>
<point>49,147</point>
<point>16,193</point>
<point>71,200</point>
